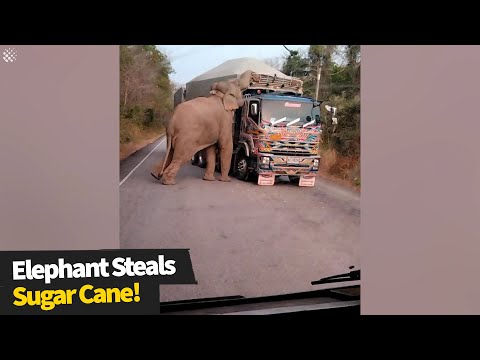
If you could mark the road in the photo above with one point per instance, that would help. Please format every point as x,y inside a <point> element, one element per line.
<point>244,239</point>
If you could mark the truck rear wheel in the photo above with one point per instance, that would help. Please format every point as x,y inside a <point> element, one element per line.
<point>241,167</point>
<point>202,161</point>
<point>194,160</point>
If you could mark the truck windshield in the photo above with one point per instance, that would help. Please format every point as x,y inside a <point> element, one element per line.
<point>288,113</point>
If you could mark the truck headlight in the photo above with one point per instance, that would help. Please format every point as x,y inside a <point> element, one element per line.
<point>315,164</point>
<point>265,161</point>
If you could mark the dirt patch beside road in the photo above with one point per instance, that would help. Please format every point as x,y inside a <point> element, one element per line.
<point>129,148</point>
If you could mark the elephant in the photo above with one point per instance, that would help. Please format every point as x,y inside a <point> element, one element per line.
<point>202,123</point>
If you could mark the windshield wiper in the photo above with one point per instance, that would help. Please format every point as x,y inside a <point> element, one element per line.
<point>350,276</point>
<point>293,122</point>
<point>309,123</point>
<point>275,122</point>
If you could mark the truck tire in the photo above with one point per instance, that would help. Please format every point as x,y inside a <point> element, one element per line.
<point>241,167</point>
<point>194,160</point>
<point>202,161</point>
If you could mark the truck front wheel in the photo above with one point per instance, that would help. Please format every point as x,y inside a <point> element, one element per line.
<point>241,167</point>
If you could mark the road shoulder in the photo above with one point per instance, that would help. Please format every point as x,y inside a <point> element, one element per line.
<point>127,150</point>
<point>130,162</point>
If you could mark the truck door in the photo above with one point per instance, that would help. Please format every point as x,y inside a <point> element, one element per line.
<point>237,120</point>
<point>254,111</point>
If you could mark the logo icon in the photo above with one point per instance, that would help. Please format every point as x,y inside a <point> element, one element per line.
<point>9,55</point>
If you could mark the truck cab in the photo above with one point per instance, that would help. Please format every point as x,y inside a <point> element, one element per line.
<point>277,134</point>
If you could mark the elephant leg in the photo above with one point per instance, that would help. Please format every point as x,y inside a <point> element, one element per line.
<point>209,172</point>
<point>171,171</point>
<point>184,150</point>
<point>226,150</point>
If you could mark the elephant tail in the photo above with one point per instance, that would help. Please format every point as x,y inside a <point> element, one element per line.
<point>168,156</point>
<point>163,164</point>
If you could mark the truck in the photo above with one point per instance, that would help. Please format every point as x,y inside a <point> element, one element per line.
<point>276,133</point>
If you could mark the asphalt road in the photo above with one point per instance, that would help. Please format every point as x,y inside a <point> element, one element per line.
<point>244,239</point>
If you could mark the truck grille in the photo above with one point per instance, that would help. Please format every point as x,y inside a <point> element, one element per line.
<point>288,147</point>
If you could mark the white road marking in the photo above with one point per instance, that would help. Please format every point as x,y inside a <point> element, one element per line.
<point>140,163</point>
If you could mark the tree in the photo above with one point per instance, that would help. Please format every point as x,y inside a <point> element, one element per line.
<point>339,87</point>
<point>353,63</point>
<point>275,62</point>
<point>145,86</point>
<point>295,64</point>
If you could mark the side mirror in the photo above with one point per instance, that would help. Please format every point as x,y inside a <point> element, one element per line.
<point>254,109</point>
<point>331,109</point>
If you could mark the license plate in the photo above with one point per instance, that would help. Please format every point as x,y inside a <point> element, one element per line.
<point>266,179</point>
<point>293,160</point>
<point>306,180</point>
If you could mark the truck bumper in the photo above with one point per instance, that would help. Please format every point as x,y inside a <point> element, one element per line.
<point>305,167</point>
<point>288,165</point>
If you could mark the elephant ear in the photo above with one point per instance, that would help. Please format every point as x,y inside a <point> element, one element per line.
<point>230,101</point>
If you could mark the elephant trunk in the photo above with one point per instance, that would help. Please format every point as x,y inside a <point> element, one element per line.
<point>243,82</point>
<point>222,86</point>
<point>244,79</point>
<point>217,93</point>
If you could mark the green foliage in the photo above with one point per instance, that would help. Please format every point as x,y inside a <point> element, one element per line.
<point>295,65</point>
<point>145,89</point>
<point>345,136</point>
<point>340,88</point>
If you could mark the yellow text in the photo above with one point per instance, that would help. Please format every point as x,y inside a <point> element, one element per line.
<point>90,295</point>
<point>46,299</point>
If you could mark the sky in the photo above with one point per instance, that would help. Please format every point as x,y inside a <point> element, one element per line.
<point>189,61</point>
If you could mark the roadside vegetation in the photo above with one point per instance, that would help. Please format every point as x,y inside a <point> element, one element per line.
<point>339,66</point>
<point>146,100</point>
